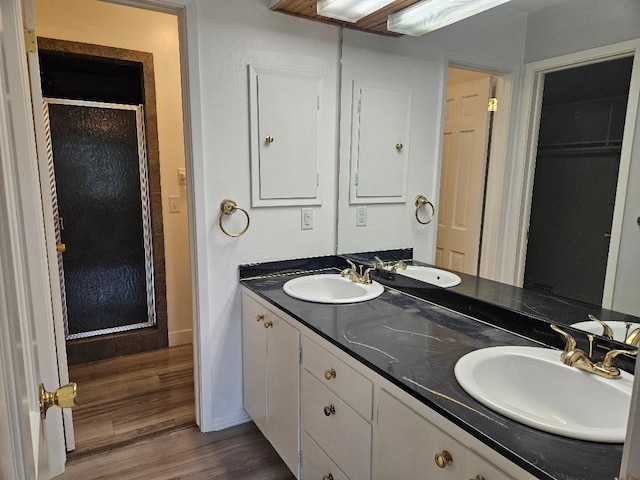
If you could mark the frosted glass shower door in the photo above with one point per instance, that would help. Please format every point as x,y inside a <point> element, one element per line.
<point>99,183</point>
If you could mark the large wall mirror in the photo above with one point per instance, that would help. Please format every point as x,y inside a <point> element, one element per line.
<point>560,71</point>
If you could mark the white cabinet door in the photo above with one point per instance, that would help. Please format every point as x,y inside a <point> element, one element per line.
<point>285,127</point>
<point>283,386</point>
<point>254,357</point>
<point>379,145</point>
<point>406,445</point>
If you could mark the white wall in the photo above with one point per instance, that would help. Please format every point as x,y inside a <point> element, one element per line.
<point>494,41</point>
<point>230,36</point>
<point>100,23</point>
<point>577,25</point>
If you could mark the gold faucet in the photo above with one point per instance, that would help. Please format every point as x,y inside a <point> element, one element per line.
<point>390,266</point>
<point>632,338</point>
<point>356,276</point>
<point>574,357</point>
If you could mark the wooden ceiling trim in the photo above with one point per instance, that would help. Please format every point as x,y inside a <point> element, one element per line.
<point>374,23</point>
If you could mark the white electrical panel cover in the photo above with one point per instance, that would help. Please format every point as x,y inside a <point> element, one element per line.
<point>284,137</point>
<point>379,144</point>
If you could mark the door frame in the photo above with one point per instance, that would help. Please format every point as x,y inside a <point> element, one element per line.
<point>527,141</point>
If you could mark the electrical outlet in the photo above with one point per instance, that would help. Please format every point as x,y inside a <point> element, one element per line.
<point>174,204</point>
<point>306,219</point>
<point>361,217</point>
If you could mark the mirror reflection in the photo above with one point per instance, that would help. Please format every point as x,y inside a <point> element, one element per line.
<point>533,201</point>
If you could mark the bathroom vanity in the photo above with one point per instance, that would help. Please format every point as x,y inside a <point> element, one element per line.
<point>367,390</point>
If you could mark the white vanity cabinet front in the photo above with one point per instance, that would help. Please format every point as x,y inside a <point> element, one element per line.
<point>271,377</point>
<point>408,446</point>
<point>336,416</point>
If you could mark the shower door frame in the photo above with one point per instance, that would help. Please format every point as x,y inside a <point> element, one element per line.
<point>146,214</point>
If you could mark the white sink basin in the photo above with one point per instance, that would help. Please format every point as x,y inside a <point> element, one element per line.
<point>619,328</point>
<point>431,275</point>
<point>532,386</point>
<point>331,288</point>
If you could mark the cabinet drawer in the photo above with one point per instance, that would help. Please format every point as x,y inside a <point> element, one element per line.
<point>343,434</point>
<point>316,465</point>
<point>351,386</point>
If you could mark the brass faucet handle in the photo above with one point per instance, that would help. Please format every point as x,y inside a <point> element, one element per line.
<point>633,338</point>
<point>611,354</point>
<point>607,332</point>
<point>365,276</point>
<point>571,342</point>
<point>400,264</point>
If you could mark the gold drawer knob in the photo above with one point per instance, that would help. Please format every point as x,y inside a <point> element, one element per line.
<point>329,410</point>
<point>477,477</point>
<point>268,324</point>
<point>61,247</point>
<point>329,374</point>
<point>269,139</point>
<point>399,146</point>
<point>328,476</point>
<point>259,317</point>
<point>443,459</point>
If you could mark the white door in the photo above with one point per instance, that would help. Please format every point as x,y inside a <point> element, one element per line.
<point>34,449</point>
<point>462,179</point>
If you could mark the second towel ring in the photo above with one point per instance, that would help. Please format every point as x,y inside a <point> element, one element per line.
<point>420,202</point>
<point>229,207</point>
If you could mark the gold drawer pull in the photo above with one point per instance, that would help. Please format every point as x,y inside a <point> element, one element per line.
<point>328,476</point>
<point>259,317</point>
<point>443,459</point>
<point>329,410</point>
<point>268,324</point>
<point>329,374</point>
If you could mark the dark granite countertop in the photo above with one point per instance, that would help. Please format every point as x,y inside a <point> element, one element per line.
<point>415,343</point>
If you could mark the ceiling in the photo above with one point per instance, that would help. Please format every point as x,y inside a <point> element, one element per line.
<point>377,21</point>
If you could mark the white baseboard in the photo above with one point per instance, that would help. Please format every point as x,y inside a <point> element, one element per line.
<point>181,337</point>
<point>220,423</point>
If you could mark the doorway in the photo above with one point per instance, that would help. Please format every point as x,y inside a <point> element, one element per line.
<point>575,180</point>
<point>93,22</point>
<point>465,154</point>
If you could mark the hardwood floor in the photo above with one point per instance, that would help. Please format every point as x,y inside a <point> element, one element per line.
<point>126,398</point>
<point>238,453</point>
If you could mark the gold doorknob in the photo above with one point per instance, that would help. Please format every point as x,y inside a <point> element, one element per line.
<point>329,410</point>
<point>399,146</point>
<point>63,397</point>
<point>61,247</point>
<point>268,324</point>
<point>329,374</point>
<point>328,476</point>
<point>269,139</point>
<point>443,459</point>
<point>259,318</point>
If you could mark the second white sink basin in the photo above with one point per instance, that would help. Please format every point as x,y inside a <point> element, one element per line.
<point>434,276</point>
<point>532,386</point>
<point>331,288</point>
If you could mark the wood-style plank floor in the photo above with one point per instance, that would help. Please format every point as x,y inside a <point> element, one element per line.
<point>130,397</point>
<point>238,453</point>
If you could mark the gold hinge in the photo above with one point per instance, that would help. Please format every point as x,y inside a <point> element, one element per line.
<point>30,40</point>
<point>493,104</point>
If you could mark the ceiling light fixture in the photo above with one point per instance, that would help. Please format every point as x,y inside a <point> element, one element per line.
<point>349,10</point>
<point>429,15</point>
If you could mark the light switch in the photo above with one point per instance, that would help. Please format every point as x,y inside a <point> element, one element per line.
<point>174,204</point>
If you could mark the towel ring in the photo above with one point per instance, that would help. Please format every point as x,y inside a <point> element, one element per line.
<point>420,202</point>
<point>229,207</point>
